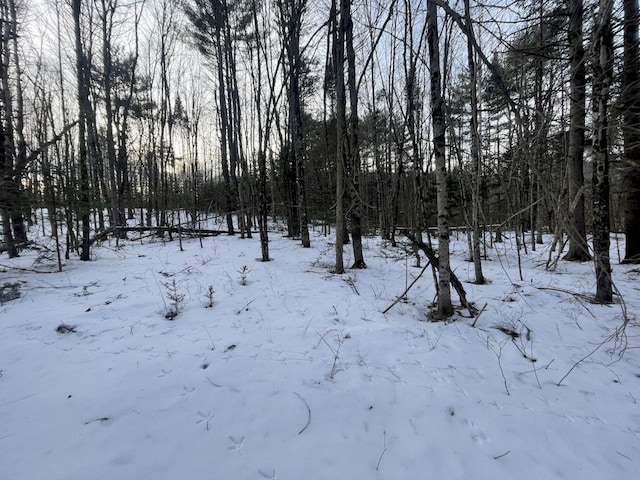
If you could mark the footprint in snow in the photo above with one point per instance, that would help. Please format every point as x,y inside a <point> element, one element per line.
<point>205,418</point>
<point>187,391</point>
<point>269,475</point>
<point>477,435</point>
<point>238,443</point>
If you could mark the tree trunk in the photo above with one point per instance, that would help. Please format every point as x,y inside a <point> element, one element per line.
<point>17,218</point>
<point>631,132</point>
<point>578,249</point>
<point>238,161</point>
<point>7,171</point>
<point>341,133</point>
<point>602,79</point>
<point>224,124</point>
<point>262,206</point>
<point>291,14</point>
<point>117,218</point>
<point>476,158</point>
<point>353,158</point>
<point>83,99</point>
<point>263,138</point>
<point>445,308</point>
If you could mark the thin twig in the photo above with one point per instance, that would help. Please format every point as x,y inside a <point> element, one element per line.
<point>435,260</point>
<point>100,419</point>
<point>214,384</point>
<point>245,307</point>
<point>21,269</point>
<point>478,316</point>
<point>352,284</point>
<point>407,289</point>
<point>575,294</point>
<point>523,352</point>
<point>500,456</point>
<point>499,357</point>
<point>535,371</point>
<point>384,445</point>
<point>581,360</point>
<point>213,345</point>
<point>308,413</point>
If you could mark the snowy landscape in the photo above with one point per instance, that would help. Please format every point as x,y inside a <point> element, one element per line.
<point>154,363</point>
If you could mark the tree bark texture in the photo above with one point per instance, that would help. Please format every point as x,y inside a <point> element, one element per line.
<point>476,157</point>
<point>291,15</point>
<point>631,132</point>
<point>576,228</point>
<point>353,158</point>
<point>338,28</point>
<point>83,107</point>
<point>602,79</point>
<point>445,308</point>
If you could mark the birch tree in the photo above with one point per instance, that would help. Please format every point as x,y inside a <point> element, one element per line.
<point>445,308</point>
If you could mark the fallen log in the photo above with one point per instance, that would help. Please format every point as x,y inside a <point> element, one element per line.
<point>195,232</point>
<point>435,261</point>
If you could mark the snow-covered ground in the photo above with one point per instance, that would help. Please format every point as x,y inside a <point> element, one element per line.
<point>295,373</point>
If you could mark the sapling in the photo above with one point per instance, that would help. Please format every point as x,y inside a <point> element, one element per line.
<point>335,349</point>
<point>176,300</point>
<point>209,296</point>
<point>244,274</point>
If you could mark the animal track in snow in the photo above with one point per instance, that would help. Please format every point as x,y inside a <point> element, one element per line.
<point>269,475</point>
<point>477,435</point>
<point>205,418</point>
<point>187,391</point>
<point>238,443</point>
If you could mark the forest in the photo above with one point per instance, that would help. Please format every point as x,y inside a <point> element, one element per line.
<point>398,118</point>
<point>319,239</point>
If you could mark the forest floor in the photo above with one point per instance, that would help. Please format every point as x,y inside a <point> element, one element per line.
<point>283,370</point>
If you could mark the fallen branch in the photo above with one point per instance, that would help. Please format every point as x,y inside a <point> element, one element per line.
<point>500,456</point>
<point>6,268</point>
<point>102,236</point>
<point>478,316</point>
<point>246,307</point>
<point>598,347</point>
<point>308,413</point>
<point>214,384</point>
<point>407,289</point>
<point>577,296</point>
<point>435,261</point>
<point>384,446</point>
<point>100,419</point>
<point>352,284</point>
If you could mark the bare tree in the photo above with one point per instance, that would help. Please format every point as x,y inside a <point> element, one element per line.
<point>445,308</point>
<point>264,70</point>
<point>338,27</point>
<point>631,131</point>
<point>9,182</point>
<point>476,157</point>
<point>106,14</point>
<point>82,75</point>
<point>578,250</point>
<point>353,145</point>
<point>291,13</point>
<point>602,64</point>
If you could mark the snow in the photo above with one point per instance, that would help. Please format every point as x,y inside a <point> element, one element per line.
<point>251,388</point>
